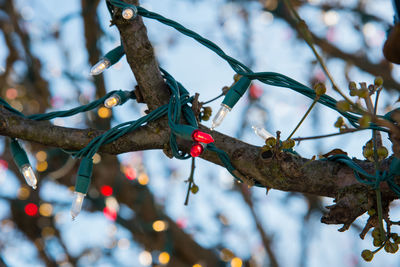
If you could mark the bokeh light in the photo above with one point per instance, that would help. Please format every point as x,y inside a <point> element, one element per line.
<point>160,226</point>
<point>31,209</point>
<point>104,113</point>
<point>106,190</point>
<point>164,257</point>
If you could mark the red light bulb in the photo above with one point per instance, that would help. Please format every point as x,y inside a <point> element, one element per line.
<point>31,209</point>
<point>130,173</point>
<point>106,190</point>
<point>110,214</point>
<point>199,136</point>
<point>255,91</point>
<point>196,150</point>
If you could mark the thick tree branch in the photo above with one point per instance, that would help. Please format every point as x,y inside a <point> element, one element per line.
<point>285,171</point>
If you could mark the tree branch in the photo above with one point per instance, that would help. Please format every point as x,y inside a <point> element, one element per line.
<point>285,171</point>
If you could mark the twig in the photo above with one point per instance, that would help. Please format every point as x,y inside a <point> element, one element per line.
<point>190,180</point>
<point>307,36</point>
<point>211,100</point>
<point>304,117</point>
<point>327,135</point>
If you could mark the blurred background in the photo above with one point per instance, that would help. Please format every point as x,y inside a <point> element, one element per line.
<point>134,214</point>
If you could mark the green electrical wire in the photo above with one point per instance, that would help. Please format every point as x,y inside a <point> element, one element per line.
<point>64,113</point>
<point>273,79</point>
<point>178,107</point>
<point>269,78</point>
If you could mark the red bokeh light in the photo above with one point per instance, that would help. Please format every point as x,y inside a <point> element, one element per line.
<point>199,136</point>
<point>130,173</point>
<point>110,213</point>
<point>196,150</point>
<point>181,222</point>
<point>106,190</point>
<point>255,91</point>
<point>3,164</point>
<point>31,209</point>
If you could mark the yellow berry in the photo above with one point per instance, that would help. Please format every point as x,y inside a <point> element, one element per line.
<point>378,81</point>
<point>368,152</point>
<point>271,141</point>
<point>367,255</point>
<point>343,105</point>
<point>364,121</point>
<point>339,123</point>
<point>207,111</point>
<point>205,117</point>
<point>352,86</point>
<point>288,144</point>
<point>369,144</point>
<point>363,92</point>
<point>194,189</point>
<point>319,89</point>
<point>354,92</point>
<point>382,152</point>
<point>391,247</point>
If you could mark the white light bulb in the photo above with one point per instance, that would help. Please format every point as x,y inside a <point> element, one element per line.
<point>100,66</point>
<point>219,117</point>
<point>77,204</point>
<point>112,101</point>
<point>128,13</point>
<point>29,175</point>
<point>261,132</point>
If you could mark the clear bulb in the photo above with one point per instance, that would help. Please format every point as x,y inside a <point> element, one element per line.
<point>112,101</point>
<point>219,117</point>
<point>100,66</point>
<point>261,132</point>
<point>77,204</point>
<point>128,13</point>
<point>29,175</point>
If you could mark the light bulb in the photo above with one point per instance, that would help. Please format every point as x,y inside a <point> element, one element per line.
<point>29,175</point>
<point>100,66</point>
<point>261,132</point>
<point>129,13</point>
<point>197,149</point>
<point>219,117</point>
<point>112,101</point>
<point>77,204</point>
<point>199,136</point>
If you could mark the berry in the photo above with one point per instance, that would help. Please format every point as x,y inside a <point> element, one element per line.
<point>391,247</point>
<point>377,242</point>
<point>364,121</point>
<point>382,152</point>
<point>319,89</point>
<point>194,189</point>
<point>288,144</point>
<point>367,255</point>
<point>378,81</point>
<point>271,141</point>
<point>339,123</point>
<point>352,86</point>
<point>363,93</point>
<point>343,105</point>
<point>354,92</point>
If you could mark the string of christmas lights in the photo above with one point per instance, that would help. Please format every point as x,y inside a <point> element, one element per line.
<point>238,89</point>
<point>175,109</point>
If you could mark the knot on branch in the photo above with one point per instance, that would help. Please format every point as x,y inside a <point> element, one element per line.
<point>349,206</point>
